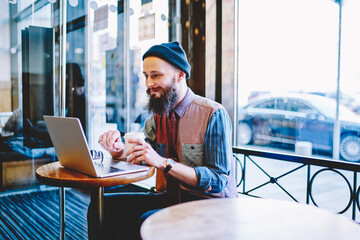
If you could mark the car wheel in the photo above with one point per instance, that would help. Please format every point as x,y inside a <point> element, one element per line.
<point>350,148</point>
<point>244,133</point>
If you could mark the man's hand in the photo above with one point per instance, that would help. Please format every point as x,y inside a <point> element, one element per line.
<point>111,142</point>
<point>144,152</point>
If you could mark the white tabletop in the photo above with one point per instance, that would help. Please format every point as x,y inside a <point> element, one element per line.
<point>247,218</point>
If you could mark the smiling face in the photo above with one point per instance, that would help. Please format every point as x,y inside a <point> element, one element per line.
<point>159,75</point>
<point>162,84</point>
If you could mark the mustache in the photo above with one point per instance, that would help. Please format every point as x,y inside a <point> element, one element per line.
<point>152,89</point>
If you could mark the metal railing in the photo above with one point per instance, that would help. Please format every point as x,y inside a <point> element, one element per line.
<point>313,166</point>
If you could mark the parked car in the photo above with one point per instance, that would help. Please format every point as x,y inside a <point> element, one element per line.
<point>289,118</point>
<point>347,100</point>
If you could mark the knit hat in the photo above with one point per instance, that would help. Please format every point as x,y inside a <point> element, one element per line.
<point>173,53</point>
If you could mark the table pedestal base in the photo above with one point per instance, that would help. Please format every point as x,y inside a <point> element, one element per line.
<point>62,213</point>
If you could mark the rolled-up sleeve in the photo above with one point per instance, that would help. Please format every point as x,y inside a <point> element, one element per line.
<point>213,175</point>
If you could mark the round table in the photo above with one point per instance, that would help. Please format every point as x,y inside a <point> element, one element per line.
<point>247,218</point>
<point>54,174</point>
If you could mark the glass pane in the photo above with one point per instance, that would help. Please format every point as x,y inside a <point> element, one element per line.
<point>118,35</point>
<point>76,79</point>
<point>103,42</point>
<point>288,76</point>
<point>117,41</point>
<point>148,26</point>
<point>350,56</point>
<point>28,90</point>
<point>24,4</point>
<point>105,89</point>
<point>27,86</point>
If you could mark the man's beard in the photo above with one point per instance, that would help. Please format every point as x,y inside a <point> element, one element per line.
<point>164,103</point>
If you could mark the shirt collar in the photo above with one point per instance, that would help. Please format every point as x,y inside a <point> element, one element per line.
<point>184,104</point>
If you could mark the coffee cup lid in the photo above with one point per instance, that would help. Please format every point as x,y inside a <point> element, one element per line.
<point>134,133</point>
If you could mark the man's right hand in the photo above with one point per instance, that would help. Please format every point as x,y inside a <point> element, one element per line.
<point>111,142</point>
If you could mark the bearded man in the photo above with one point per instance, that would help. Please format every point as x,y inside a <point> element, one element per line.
<point>188,140</point>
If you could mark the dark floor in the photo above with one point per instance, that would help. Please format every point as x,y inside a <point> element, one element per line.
<point>35,215</point>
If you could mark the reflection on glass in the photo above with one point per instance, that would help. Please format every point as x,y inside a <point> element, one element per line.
<point>93,5</point>
<point>73,3</point>
<point>75,93</point>
<point>113,8</point>
<point>37,83</point>
<point>30,61</point>
<point>145,30</point>
<point>117,94</point>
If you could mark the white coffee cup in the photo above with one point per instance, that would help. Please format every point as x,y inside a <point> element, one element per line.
<point>133,136</point>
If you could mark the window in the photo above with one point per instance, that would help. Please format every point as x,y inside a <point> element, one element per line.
<point>100,44</point>
<point>296,106</point>
<point>104,84</point>
<point>272,104</point>
<point>282,53</point>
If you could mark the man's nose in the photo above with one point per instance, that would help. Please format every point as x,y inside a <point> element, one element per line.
<point>149,82</point>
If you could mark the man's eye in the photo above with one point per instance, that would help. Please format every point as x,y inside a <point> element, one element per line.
<point>156,75</point>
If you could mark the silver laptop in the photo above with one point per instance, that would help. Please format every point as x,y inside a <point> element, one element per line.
<point>73,152</point>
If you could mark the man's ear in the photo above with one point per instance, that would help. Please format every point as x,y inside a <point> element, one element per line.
<point>181,75</point>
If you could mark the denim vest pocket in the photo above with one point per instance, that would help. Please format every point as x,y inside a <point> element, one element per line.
<point>193,154</point>
<point>161,149</point>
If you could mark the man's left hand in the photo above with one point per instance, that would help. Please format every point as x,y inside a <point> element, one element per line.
<point>144,152</point>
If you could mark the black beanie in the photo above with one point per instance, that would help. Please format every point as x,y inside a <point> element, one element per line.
<point>173,53</point>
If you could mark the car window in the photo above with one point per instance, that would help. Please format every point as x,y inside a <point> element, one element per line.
<point>272,104</point>
<point>266,104</point>
<point>297,106</point>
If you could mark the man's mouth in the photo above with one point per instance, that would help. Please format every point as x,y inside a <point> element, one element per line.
<point>153,91</point>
